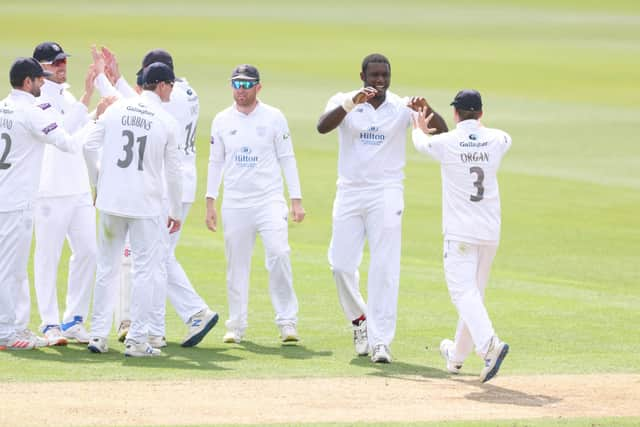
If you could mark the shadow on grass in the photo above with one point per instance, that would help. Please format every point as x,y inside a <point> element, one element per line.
<point>490,393</point>
<point>288,351</point>
<point>396,369</point>
<point>173,357</point>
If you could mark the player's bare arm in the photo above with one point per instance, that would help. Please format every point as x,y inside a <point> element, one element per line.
<point>297,211</point>
<point>332,119</point>
<point>211,218</point>
<point>418,102</point>
<point>88,85</point>
<point>421,121</point>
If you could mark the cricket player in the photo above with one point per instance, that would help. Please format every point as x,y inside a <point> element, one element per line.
<point>251,145</point>
<point>470,156</point>
<point>138,141</point>
<point>24,129</point>
<point>184,107</point>
<point>372,123</point>
<point>64,208</point>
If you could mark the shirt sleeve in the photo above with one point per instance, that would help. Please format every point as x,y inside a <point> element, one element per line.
<point>216,163</point>
<point>105,87</point>
<point>91,151</point>
<point>505,142</point>
<point>335,101</point>
<point>125,89</point>
<point>431,145</point>
<point>48,130</point>
<point>172,170</point>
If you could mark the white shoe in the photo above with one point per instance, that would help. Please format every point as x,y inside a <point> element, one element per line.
<point>157,341</point>
<point>98,345</point>
<point>78,333</point>
<point>17,343</point>
<point>27,335</point>
<point>54,336</point>
<point>123,330</point>
<point>288,333</point>
<point>381,354</point>
<point>199,326</point>
<point>232,337</point>
<point>140,349</point>
<point>446,348</point>
<point>493,358</point>
<point>360,338</point>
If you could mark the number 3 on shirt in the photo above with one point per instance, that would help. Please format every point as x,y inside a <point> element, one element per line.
<point>478,184</point>
<point>128,149</point>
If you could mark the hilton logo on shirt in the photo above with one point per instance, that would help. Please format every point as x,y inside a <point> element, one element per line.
<point>372,136</point>
<point>244,158</point>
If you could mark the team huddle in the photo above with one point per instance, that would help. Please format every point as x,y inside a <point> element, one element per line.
<point>132,161</point>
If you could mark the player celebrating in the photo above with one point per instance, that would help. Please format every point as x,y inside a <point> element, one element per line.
<point>138,139</point>
<point>372,124</point>
<point>469,156</point>
<point>250,141</point>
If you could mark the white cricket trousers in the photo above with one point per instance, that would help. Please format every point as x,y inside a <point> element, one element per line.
<point>466,268</point>
<point>57,218</point>
<point>148,245</point>
<point>16,228</point>
<point>176,287</point>
<point>377,216</point>
<point>240,227</point>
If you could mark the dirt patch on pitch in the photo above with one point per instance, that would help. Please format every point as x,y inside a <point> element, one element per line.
<point>305,400</point>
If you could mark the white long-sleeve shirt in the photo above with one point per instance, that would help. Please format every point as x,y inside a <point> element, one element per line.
<point>469,156</point>
<point>138,141</point>
<point>24,129</point>
<point>251,149</point>
<point>184,107</point>
<point>63,174</point>
<point>372,142</point>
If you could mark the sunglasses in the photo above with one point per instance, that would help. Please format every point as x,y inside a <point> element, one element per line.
<point>57,62</point>
<point>243,84</point>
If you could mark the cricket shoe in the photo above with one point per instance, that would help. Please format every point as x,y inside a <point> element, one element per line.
<point>16,343</point>
<point>98,345</point>
<point>232,337</point>
<point>75,330</point>
<point>157,341</point>
<point>360,338</point>
<point>289,334</point>
<point>493,358</point>
<point>199,326</point>
<point>54,336</point>
<point>381,354</point>
<point>446,349</point>
<point>123,330</point>
<point>28,335</point>
<point>140,349</point>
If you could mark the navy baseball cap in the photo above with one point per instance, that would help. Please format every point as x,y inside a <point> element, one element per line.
<point>23,68</point>
<point>158,72</point>
<point>156,55</point>
<point>468,100</point>
<point>245,72</point>
<point>48,52</point>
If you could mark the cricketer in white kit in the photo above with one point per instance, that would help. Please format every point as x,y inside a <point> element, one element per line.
<point>372,125</point>
<point>138,141</point>
<point>184,107</point>
<point>470,156</point>
<point>251,144</point>
<point>64,209</point>
<point>24,129</point>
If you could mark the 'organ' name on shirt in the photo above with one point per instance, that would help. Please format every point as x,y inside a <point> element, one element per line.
<point>476,156</point>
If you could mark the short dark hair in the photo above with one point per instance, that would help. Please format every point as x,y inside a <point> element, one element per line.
<point>150,86</point>
<point>468,115</point>
<point>377,58</point>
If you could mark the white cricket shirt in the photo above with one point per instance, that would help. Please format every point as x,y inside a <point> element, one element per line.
<point>372,142</point>
<point>24,129</point>
<point>470,156</point>
<point>251,148</point>
<point>138,140</point>
<point>63,174</point>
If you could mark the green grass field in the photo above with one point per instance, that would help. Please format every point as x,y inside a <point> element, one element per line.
<point>560,76</point>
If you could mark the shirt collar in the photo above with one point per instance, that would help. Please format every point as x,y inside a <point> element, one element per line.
<point>255,110</point>
<point>52,88</point>
<point>152,97</point>
<point>469,124</point>
<point>22,96</point>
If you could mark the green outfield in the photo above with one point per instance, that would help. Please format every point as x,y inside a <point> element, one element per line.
<point>560,76</point>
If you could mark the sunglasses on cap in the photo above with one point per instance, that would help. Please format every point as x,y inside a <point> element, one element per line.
<point>243,84</point>
<point>56,63</point>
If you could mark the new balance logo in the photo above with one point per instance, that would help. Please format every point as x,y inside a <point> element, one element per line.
<point>196,323</point>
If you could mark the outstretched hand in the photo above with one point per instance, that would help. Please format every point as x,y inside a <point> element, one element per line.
<point>421,120</point>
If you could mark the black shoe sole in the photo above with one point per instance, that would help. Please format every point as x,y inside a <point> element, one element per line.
<point>492,373</point>
<point>195,340</point>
